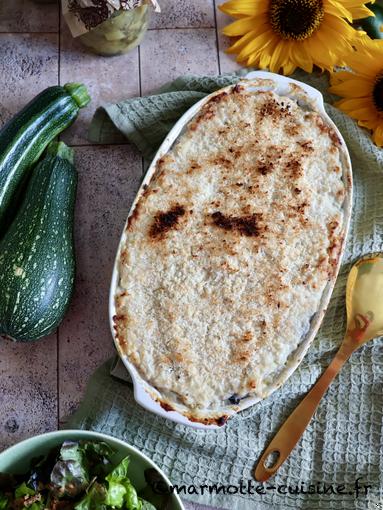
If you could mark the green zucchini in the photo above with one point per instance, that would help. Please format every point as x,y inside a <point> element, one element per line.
<point>37,262</point>
<point>26,136</point>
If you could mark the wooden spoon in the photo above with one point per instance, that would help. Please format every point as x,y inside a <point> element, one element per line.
<point>364,305</point>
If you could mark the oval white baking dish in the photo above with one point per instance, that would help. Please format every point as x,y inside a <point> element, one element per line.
<point>145,394</point>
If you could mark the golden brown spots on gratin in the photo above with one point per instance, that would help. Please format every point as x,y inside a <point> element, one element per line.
<point>326,129</point>
<point>245,225</point>
<point>247,336</point>
<point>238,88</point>
<point>307,146</point>
<point>134,216</point>
<point>294,167</point>
<point>163,222</point>
<point>194,167</point>
<point>231,270</point>
<point>274,110</point>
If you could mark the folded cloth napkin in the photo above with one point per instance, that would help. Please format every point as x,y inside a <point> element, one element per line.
<point>343,442</point>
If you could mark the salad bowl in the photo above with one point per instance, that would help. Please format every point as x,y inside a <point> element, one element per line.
<point>16,460</point>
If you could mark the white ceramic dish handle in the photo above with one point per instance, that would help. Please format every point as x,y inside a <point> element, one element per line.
<point>283,86</point>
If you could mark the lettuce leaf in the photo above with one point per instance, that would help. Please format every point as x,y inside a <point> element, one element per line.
<point>120,472</point>
<point>121,493</point>
<point>115,495</point>
<point>37,505</point>
<point>131,499</point>
<point>69,475</point>
<point>94,499</point>
<point>3,502</point>
<point>24,490</point>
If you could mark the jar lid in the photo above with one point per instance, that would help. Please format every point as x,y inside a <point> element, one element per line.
<point>84,15</point>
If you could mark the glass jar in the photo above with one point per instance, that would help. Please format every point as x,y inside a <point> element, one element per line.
<point>119,34</point>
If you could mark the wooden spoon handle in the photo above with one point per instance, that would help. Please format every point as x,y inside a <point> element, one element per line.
<point>289,434</point>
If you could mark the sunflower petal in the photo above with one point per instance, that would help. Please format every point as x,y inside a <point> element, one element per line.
<point>277,57</point>
<point>362,113</point>
<point>265,56</point>
<point>337,9</point>
<point>258,43</point>
<point>378,135</point>
<point>241,43</point>
<point>348,105</point>
<point>288,68</point>
<point>357,9</point>
<point>243,8</point>
<point>371,123</point>
<point>340,76</point>
<point>356,87</point>
<point>301,57</point>
<point>241,26</point>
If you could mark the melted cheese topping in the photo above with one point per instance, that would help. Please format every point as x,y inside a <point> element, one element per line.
<point>230,248</point>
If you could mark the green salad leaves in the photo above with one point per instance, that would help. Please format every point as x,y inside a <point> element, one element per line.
<point>81,475</point>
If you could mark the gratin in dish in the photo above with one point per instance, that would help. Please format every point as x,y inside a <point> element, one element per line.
<point>229,250</point>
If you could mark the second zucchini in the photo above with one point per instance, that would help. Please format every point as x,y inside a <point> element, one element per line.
<point>37,262</point>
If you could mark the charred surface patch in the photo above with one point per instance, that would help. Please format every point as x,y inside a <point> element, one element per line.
<point>238,88</point>
<point>218,97</point>
<point>209,421</point>
<point>134,216</point>
<point>166,406</point>
<point>266,168</point>
<point>165,221</point>
<point>220,421</point>
<point>245,225</point>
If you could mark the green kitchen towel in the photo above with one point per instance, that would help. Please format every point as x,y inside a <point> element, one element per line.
<point>343,442</point>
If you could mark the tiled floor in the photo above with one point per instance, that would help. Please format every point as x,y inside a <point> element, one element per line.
<point>42,383</point>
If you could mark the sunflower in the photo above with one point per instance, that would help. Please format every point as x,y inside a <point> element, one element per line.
<point>362,88</point>
<point>287,34</point>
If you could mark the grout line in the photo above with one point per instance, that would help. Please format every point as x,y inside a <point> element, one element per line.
<point>58,329</point>
<point>216,36</point>
<point>139,71</point>
<point>58,376</point>
<point>27,33</point>
<point>149,30</point>
<point>140,88</point>
<point>181,28</point>
<point>59,33</point>
<point>114,144</point>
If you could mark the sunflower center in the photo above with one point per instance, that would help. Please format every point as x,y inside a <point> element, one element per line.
<point>377,92</point>
<point>295,19</point>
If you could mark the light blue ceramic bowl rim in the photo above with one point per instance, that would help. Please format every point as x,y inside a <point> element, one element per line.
<point>68,434</point>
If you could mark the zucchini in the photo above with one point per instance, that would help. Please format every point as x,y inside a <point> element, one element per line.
<point>37,263</point>
<point>26,136</point>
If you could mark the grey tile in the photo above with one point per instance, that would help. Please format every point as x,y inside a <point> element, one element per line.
<point>109,178</point>
<point>28,16</point>
<point>109,79</point>
<point>28,372</point>
<point>28,389</point>
<point>184,14</point>
<point>227,62</point>
<point>178,52</point>
<point>28,64</point>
